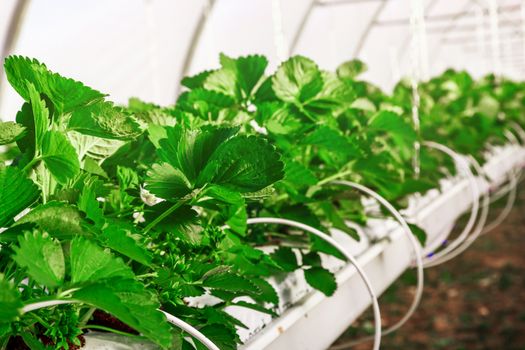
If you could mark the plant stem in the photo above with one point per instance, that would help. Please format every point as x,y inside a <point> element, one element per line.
<point>165,215</point>
<point>87,316</point>
<point>30,164</point>
<point>334,177</point>
<point>107,329</point>
<point>151,274</point>
<point>40,320</point>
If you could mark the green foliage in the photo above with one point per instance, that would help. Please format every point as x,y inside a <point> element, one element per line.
<point>10,132</point>
<point>130,302</point>
<point>90,263</point>
<point>65,94</point>
<point>321,279</point>
<point>129,209</point>
<point>16,193</point>
<point>10,301</point>
<point>43,258</point>
<point>195,159</point>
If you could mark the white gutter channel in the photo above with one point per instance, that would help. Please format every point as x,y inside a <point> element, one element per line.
<point>311,321</point>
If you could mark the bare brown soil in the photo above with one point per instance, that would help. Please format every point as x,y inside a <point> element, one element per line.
<point>474,302</point>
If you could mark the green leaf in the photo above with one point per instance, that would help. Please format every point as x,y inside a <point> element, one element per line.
<point>321,279</point>
<point>298,175</point>
<point>104,120</point>
<point>351,69</point>
<point>286,258</point>
<point>223,81</point>
<point>312,259</point>
<point>65,94</point>
<point>59,219</point>
<point>10,301</point>
<point>420,234</point>
<point>11,132</point>
<point>393,125</point>
<point>206,104</point>
<point>196,81</point>
<point>267,291</point>
<point>40,122</point>
<point>297,80</point>
<point>16,193</point>
<point>59,156</point>
<point>167,182</point>
<point>190,150</point>
<point>250,70</point>
<point>222,278</point>
<point>244,164</point>
<point>131,303</point>
<point>212,156</point>
<point>222,195</point>
<point>255,307</point>
<point>238,77</point>
<point>90,263</point>
<point>43,258</point>
<point>331,140</point>
<point>118,238</point>
<point>93,147</point>
<point>32,341</point>
<point>220,335</point>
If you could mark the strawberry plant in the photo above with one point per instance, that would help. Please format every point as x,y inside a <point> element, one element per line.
<point>126,210</point>
<point>119,209</point>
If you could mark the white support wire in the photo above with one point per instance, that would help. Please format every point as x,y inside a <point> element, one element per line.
<point>475,194</point>
<point>281,47</point>
<point>169,317</point>
<point>511,189</point>
<point>522,17</point>
<point>190,330</point>
<point>511,199</point>
<point>342,250</point>
<point>420,69</point>
<point>418,257</point>
<point>495,40</point>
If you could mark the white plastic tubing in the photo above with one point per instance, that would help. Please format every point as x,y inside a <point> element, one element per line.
<point>342,250</point>
<point>511,188</point>
<point>475,194</point>
<point>417,255</point>
<point>171,319</point>
<point>477,230</point>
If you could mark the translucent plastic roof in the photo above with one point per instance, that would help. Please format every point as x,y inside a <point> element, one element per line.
<point>143,47</point>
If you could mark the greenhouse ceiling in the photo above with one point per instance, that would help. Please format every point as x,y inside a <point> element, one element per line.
<point>144,47</point>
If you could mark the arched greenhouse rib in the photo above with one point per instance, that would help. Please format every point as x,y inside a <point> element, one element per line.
<point>318,156</point>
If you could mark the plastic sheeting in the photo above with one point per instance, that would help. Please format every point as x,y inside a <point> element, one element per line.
<point>139,47</point>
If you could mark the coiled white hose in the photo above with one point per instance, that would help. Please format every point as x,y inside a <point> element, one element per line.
<point>418,259</point>
<point>342,250</point>
<point>475,193</point>
<point>477,230</point>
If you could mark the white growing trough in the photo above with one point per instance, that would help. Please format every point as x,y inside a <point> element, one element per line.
<point>311,321</point>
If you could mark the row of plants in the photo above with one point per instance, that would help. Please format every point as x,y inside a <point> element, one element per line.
<point>125,210</point>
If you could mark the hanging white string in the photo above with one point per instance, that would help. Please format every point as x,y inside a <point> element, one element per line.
<point>495,40</point>
<point>522,18</point>
<point>342,250</point>
<point>152,47</point>
<point>416,248</point>
<point>480,36</point>
<point>171,319</point>
<point>279,40</point>
<point>419,65</point>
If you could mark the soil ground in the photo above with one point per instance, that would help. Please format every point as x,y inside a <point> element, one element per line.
<point>474,302</point>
